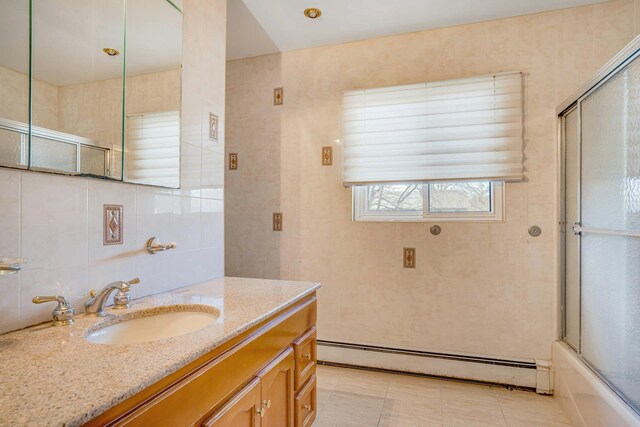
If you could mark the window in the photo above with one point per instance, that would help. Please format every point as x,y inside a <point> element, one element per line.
<point>436,150</point>
<point>438,201</point>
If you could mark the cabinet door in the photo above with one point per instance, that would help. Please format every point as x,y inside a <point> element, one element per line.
<point>243,410</point>
<point>277,391</point>
<point>305,357</point>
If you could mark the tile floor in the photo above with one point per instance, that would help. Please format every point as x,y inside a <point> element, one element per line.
<point>349,397</point>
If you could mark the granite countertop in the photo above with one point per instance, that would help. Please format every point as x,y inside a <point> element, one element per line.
<point>54,376</point>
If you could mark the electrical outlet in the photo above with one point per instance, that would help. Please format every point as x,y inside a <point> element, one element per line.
<point>409,257</point>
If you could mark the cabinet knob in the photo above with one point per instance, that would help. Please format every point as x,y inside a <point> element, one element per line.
<point>306,407</point>
<point>260,412</point>
<point>267,403</point>
<point>306,356</point>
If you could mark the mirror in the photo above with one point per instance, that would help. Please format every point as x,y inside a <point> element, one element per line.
<point>14,83</point>
<point>82,65</point>
<point>77,87</point>
<point>153,93</point>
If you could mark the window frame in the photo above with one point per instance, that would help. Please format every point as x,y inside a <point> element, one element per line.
<point>361,214</point>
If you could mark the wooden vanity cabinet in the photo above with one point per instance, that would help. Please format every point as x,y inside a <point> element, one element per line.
<point>257,379</point>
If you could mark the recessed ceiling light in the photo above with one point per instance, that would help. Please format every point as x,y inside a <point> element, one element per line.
<point>110,51</point>
<point>312,13</point>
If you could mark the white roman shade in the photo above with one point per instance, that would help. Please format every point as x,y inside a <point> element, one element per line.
<point>465,129</point>
<point>153,148</point>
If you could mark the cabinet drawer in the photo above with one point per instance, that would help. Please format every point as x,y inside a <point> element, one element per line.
<point>306,404</point>
<point>304,348</point>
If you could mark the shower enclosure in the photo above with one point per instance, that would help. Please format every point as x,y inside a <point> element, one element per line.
<point>600,135</point>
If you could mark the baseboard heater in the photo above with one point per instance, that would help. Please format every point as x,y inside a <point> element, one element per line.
<point>519,373</point>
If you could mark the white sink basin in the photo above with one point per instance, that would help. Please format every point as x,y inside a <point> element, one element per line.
<point>152,328</point>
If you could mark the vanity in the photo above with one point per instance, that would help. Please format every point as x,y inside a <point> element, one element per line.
<point>253,363</point>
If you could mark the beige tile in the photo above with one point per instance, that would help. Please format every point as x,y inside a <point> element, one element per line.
<point>344,408</point>
<point>456,392</point>
<point>363,386</point>
<point>406,411</point>
<point>414,419</point>
<point>422,391</point>
<point>526,422</point>
<point>528,408</point>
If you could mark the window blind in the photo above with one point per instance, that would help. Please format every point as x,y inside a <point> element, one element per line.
<point>464,129</point>
<point>153,148</point>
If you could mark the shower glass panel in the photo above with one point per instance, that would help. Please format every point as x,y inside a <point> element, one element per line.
<point>571,145</point>
<point>610,233</point>
<point>610,310</point>
<point>611,156</point>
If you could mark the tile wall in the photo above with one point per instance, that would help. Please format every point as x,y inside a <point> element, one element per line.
<point>476,288</point>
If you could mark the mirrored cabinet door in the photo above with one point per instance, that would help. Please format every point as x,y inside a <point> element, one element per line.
<point>77,86</point>
<point>14,83</point>
<point>153,93</point>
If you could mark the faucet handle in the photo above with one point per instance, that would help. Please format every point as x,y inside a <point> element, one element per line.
<point>121,298</point>
<point>62,314</point>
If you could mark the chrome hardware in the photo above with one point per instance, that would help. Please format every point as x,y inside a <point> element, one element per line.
<point>306,356</point>
<point>306,407</point>
<point>95,305</point>
<point>121,299</point>
<point>266,403</point>
<point>154,246</point>
<point>435,230</point>
<point>62,314</point>
<point>535,231</point>
<point>11,265</point>
<point>577,229</point>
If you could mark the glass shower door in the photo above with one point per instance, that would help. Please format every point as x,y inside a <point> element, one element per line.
<point>610,231</point>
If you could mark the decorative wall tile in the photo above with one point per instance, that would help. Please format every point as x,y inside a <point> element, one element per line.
<point>113,227</point>
<point>213,127</point>
<point>233,161</point>
<point>327,156</point>
<point>409,257</point>
<point>277,221</point>
<point>278,96</point>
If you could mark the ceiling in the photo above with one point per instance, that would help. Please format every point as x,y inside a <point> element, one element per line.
<point>257,27</point>
<point>69,35</point>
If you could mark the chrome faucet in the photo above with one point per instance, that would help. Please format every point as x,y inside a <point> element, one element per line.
<point>95,305</point>
<point>62,314</point>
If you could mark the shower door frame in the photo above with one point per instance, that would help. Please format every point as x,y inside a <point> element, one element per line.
<point>574,102</point>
